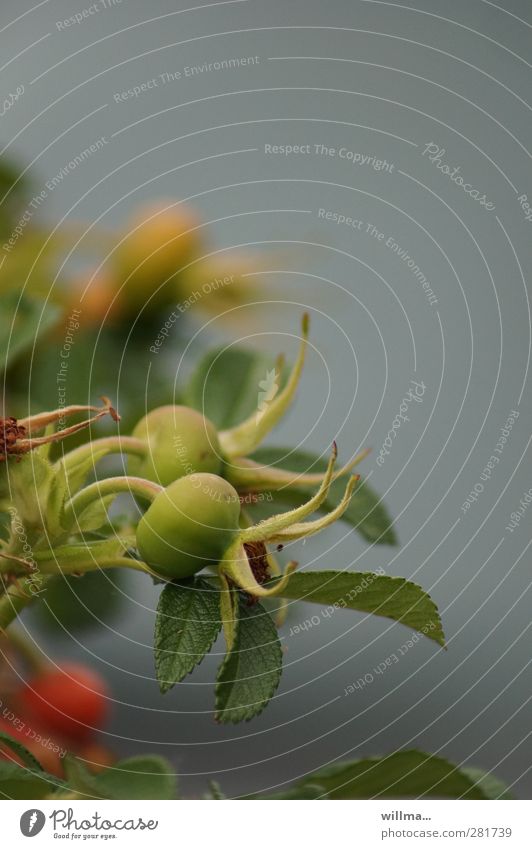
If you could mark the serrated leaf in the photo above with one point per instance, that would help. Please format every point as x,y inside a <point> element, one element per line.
<point>225,385</point>
<point>23,782</point>
<point>366,512</point>
<point>140,777</point>
<point>20,751</point>
<point>411,774</point>
<point>368,592</point>
<point>187,623</point>
<point>250,672</point>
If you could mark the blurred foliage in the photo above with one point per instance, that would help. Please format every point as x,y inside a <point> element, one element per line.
<point>14,191</point>
<point>23,322</point>
<point>110,363</point>
<point>125,286</point>
<point>224,384</point>
<point>78,604</point>
<point>409,774</point>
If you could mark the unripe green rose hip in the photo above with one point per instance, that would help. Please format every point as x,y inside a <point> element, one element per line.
<point>180,442</point>
<point>189,525</point>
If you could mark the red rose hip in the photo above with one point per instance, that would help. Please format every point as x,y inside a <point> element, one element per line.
<point>71,700</point>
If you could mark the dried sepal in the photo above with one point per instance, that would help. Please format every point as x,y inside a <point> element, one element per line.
<point>11,433</point>
<point>16,434</point>
<point>237,569</point>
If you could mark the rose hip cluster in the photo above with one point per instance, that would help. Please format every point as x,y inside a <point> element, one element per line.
<point>194,479</point>
<point>189,479</point>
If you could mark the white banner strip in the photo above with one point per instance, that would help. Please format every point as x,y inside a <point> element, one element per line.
<point>231,825</point>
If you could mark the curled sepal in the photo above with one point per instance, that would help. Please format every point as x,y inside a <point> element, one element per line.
<point>247,436</point>
<point>236,568</point>
<point>249,476</point>
<point>275,571</point>
<point>299,530</point>
<point>228,610</point>
<point>102,493</point>
<point>16,435</point>
<point>78,462</point>
<point>268,529</point>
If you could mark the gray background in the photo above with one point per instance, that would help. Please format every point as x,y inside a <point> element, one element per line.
<point>381,80</point>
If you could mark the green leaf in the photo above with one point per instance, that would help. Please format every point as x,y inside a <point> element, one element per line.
<point>409,774</point>
<point>187,623</point>
<point>143,777</point>
<point>250,672</point>
<point>298,792</point>
<point>22,321</point>
<point>78,777</point>
<point>20,751</point>
<point>394,598</point>
<point>18,782</point>
<point>366,513</point>
<point>491,786</point>
<point>225,385</point>
<point>23,782</point>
